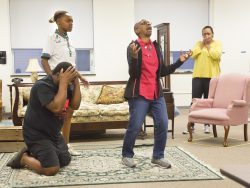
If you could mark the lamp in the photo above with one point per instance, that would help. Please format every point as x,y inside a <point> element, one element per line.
<point>33,67</point>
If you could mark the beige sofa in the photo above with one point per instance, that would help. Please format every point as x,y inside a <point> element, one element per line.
<point>102,107</point>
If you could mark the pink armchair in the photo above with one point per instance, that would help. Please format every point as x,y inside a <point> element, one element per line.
<point>227,105</point>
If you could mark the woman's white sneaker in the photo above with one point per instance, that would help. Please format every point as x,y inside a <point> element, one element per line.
<point>206,129</point>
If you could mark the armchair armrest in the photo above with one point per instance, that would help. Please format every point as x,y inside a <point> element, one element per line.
<point>238,111</point>
<point>237,103</point>
<point>198,104</point>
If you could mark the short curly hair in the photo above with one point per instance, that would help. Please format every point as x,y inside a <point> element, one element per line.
<point>60,66</point>
<point>137,25</point>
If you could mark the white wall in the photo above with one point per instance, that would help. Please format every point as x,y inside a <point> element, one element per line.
<point>186,19</point>
<point>113,30</point>
<point>6,69</point>
<point>231,23</point>
<point>33,26</point>
<point>181,86</point>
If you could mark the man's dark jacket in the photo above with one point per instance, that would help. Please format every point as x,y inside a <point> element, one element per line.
<point>133,85</point>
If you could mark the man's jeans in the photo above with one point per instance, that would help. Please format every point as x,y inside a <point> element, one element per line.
<point>138,109</point>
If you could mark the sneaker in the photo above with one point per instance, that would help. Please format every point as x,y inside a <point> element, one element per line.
<point>161,162</point>
<point>15,162</point>
<point>72,151</point>
<point>128,162</point>
<point>206,129</point>
<point>186,132</point>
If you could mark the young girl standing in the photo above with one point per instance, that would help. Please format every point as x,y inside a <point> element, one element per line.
<point>59,49</point>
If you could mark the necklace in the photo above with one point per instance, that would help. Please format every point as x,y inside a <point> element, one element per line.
<point>64,35</point>
<point>148,47</point>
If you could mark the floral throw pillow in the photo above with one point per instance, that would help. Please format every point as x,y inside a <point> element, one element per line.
<point>111,95</point>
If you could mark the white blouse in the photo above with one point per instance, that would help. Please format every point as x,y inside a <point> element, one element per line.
<point>59,49</point>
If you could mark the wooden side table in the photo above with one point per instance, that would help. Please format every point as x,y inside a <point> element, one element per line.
<point>11,138</point>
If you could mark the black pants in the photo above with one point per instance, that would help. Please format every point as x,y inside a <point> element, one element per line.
<point>50,153</point>
<point>200,87</point>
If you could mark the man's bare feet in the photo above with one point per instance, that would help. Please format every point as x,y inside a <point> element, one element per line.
<point>16,161</point>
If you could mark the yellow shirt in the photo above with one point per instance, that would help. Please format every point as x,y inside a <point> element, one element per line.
<point>207,62</point>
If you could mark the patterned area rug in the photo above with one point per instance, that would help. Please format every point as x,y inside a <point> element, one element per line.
<point>103,166</point>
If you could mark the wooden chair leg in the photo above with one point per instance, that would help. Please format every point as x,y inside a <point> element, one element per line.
<point>215,131</point>
<point>173,128</point>
<point>190,131</point>
<point>245,132</point>
<point>227,128</point>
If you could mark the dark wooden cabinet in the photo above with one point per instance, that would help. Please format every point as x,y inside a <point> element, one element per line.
<point>163,38</point>
<point>164,41</point>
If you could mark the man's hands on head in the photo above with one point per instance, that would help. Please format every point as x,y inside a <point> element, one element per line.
<point>185,56</point>
<point>134,49</point>
<point>68,76</point>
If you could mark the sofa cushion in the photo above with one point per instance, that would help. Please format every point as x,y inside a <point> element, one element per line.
<point>26,93</point>
<point>91,93</point>
<point>87,109</point>
<point>114,109</point>
<point>111,95</point>
<point>21,111</point>
<point>88,119</point>
<point>211,113</point>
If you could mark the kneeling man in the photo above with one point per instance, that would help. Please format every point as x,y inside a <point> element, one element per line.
<point>46,150</point>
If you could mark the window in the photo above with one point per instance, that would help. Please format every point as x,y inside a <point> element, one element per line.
<point>187,66</point>
<point>22,56</point>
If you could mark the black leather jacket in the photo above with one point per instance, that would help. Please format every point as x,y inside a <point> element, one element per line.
<point>133,85</point>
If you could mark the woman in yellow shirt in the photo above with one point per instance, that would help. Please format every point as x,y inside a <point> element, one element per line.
<point>207,55</point>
